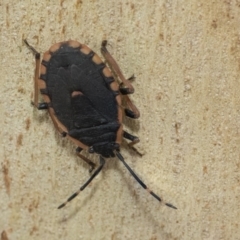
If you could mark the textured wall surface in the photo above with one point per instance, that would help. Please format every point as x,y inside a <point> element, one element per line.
<point>186,59</point>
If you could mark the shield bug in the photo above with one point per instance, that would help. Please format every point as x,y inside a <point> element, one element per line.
<point>84,102</point>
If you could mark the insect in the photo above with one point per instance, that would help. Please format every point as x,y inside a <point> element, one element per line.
<point>84,102</point>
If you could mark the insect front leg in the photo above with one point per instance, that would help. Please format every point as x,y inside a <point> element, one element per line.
<point>39,106</point>
<point>134,140</point>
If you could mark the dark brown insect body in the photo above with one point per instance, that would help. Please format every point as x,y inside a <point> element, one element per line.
<point>84,102</point>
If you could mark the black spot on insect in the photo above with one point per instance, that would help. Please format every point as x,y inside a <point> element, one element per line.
<point>85,102</point>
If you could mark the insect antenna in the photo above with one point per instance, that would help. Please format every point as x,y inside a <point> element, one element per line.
<point>140,181</point>
<point>102,162</point>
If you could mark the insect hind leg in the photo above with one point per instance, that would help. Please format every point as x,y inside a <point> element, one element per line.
<point>126,89</point>
<point>125,86</point>
<point>39,106</point>
<point>114,66</point>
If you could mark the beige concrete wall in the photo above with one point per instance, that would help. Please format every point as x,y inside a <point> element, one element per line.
<point>186,57</point>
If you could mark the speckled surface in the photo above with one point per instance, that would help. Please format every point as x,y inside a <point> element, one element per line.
<point>186,57</point>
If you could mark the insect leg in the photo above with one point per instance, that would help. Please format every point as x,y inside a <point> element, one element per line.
<point>123,89</point>
<point>39,106</point>
<point>114,66</point>
<point>125,86</point>
<point>120,157</point>
<point>131,78</point>
<point>92,164</point>
<point>133,111</point>
<point>134,140</point>
<point>102,162</point>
